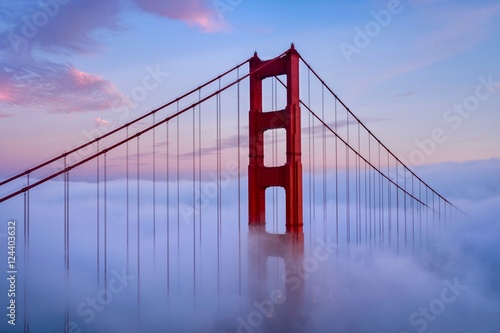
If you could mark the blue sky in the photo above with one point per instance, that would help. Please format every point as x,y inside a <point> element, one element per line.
<point>420,59</point>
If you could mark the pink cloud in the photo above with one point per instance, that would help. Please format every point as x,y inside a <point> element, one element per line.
<point>55,88</point>
<point>200,13</point>
<point>5,94</point>
<point>101,122</point>
<point>29,82</point>
<point>70,28</point>
<point>33,83</point>
<point>73,26</point>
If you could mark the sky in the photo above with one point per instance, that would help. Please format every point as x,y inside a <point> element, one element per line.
<point>422,74</point>
<point>407,67</point>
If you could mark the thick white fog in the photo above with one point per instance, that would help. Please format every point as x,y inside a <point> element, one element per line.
<point>195,275</point>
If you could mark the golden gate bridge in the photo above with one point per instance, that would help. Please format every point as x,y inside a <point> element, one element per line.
<point>214,211</point>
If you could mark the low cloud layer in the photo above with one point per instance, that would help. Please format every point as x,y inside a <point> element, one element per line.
<point>187,284</point>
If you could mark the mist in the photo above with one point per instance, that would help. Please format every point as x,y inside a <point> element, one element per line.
<point>179,271</point>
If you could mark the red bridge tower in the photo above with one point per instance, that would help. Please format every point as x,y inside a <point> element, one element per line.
<point>288,176</point>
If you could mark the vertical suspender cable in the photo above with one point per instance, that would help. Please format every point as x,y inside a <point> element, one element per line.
<point>397,206</point>
<point>199,163</point>
<point>444,204</point>
<point>325,211</point>
<point>367,200</point>
<point>380,201</point>
<point>413,215</point>
<point>68,239</point>
<point>178,180</point>
<point>275,162</point>
<point>26,255</point>
<point>433,215</point>
<point>313,152</point>
<point>154,190</point>
<point>276,150</point>
<point>311,171</point>
<point>138,236</point>
<point>358,190</point>
<point>420,207</point>
<point>273,154</point>
<point>405,211</point>
<point>199,185</point>
<point>347,185</point>
<point>194,205</point>
<point>389,203</point>
<point>219,160</point>
<point>98,220</point>
<point>168,205</point>
<point>336,181</point>
<point>105,198</point>
<point>128,201</point>
<point>439,215</point>
<point>239,182</point>
<point>427,216</point>
<point>218,123</point>
<point>370,186</point>
<point>167,174</point>
<point>66,246</point>
<point>376,234</point>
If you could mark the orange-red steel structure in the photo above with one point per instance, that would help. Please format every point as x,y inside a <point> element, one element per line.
<point>288,176</point>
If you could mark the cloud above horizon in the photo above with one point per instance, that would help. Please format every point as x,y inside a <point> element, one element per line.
<point>34,34</point>
<point>52,87</point>
<point>201,13</point>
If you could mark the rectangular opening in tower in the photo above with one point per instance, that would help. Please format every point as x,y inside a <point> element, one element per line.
<point>275,147</point>
<point>275,210</point>
<point>274,94</point>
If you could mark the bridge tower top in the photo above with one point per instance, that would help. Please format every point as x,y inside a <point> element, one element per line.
<point>289,175</point>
